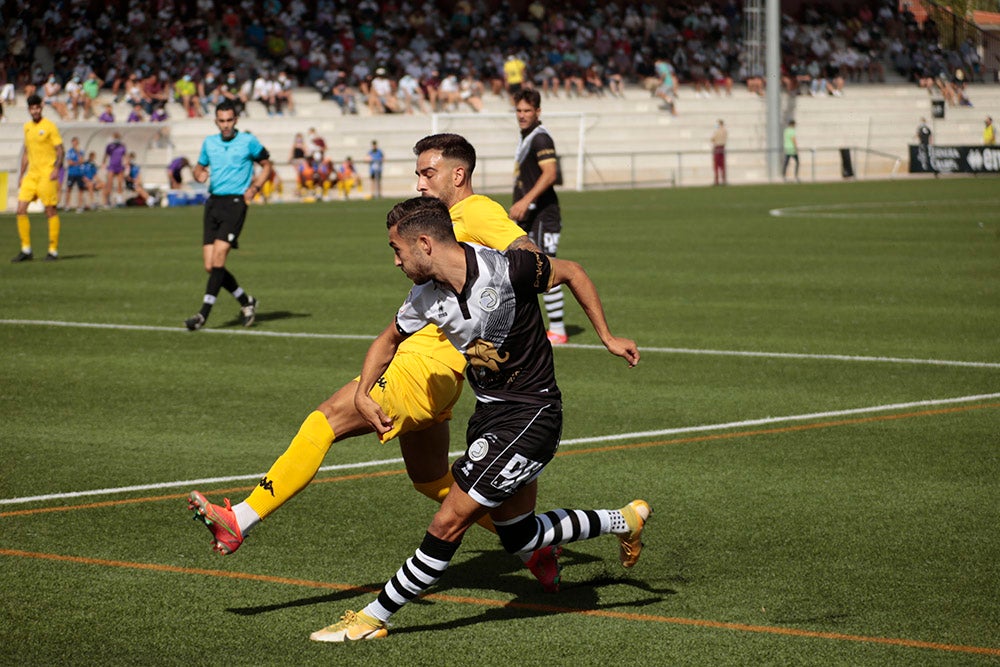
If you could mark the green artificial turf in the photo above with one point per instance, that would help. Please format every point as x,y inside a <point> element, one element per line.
<point>804,422</point>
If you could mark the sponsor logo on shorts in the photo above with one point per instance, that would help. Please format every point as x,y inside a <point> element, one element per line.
<point>479,449</point>
<point>518,471</point>
<point>232,237</point>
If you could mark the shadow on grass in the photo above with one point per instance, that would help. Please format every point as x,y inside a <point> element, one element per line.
<point>495,570</point>
<point>65,258</point>
<point>267,316</point>
<point>307,602</point>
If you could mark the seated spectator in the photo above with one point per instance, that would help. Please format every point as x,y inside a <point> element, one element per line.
<point>52,96</point>
<point>133,183</point>
<point>264,92</point>
<point>343,95</point>
<point>720,81</point>
<point>326,176</point>
<point>347,178</point>
<point>283,92</point>
<point>305,175</point>
<point>155,93</point>
<point>615,78</point>
<point>471,91</point>
<point>572,75</point>
<point>431,85</point>
<point>133,91</point>
<point>209,94</point>
<point>91,90</point>
<point>593,81</point>
<point>381,95</point>
<point>186,94</point>
<point>408,90</point>
<point>74,96</point>
<point>135,116</point>
<point>108,116</point>
<point>449,94</point>
<point>233,91</point>
<point>547,81</point>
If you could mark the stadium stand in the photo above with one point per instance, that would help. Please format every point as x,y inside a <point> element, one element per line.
<point>627,139</point>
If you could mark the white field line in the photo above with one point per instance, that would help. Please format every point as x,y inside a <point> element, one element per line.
<point>867,209</point>
<point>191,483</point>
<point>572,346</point>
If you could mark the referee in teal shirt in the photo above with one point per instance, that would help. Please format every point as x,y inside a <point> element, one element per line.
<point>229,156</point>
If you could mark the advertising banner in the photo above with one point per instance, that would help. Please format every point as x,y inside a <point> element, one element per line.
<point>954,159</point>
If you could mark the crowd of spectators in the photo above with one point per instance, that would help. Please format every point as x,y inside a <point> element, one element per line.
<point>412,56</point>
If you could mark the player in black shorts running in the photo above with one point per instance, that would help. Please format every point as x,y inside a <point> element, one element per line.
<point>486,303</point>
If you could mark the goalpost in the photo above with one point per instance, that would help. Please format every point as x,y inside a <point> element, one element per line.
<point>495,137</point>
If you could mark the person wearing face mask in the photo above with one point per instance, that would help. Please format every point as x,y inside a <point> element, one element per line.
<point>51,96</point>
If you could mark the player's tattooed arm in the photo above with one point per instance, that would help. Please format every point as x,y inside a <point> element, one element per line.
<point>523,243</point>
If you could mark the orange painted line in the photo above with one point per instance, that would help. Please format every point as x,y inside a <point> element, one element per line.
<point>486,602</point>
<point>589,450</point>
<point>778,430</point>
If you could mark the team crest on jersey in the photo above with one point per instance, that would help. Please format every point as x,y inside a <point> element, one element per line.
<point>484,354</point>
<point>479,449</point>
<point>489,299</point>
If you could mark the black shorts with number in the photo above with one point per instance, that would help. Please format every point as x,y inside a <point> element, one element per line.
<point>224,218</point>
<point>509,445</point>
<point>543,227</point>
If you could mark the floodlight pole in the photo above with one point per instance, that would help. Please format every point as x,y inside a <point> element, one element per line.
<point>773,89</point>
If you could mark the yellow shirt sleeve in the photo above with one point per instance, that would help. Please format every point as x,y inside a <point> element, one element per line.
<point>491,227</point>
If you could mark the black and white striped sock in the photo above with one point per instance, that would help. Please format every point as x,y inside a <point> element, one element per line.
<point>553,300</point>
<point>419,573</point>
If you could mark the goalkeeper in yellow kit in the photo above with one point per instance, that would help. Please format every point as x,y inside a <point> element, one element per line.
<point>41,161</point>
<point>418,390</point>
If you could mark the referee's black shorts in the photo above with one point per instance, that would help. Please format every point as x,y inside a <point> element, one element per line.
<point>224,218</point>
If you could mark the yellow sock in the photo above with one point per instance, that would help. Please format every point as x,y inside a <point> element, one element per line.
<point>294,469</point>
<point>24,231</point>
<point>54,234</point>
<point>438,489</point>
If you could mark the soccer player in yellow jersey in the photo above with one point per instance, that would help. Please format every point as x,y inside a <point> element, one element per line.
<point>41,161</point>
<point>417,391</point>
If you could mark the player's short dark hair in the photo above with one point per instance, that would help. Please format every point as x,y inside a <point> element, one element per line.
<point>34,101</point>
<point>421,215</point>
<point>225,105</point>
<point>529,95</point>
<point>452,147</point>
